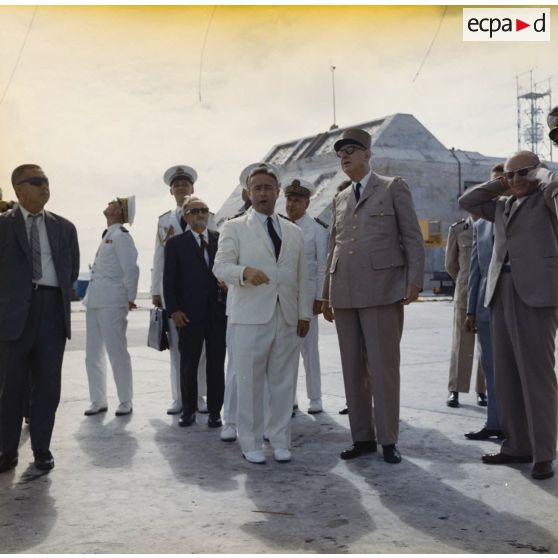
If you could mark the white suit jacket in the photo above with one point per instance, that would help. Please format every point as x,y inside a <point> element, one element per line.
<point>244,242</point>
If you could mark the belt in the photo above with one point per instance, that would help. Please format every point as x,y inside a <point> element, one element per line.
<point>37,287</point>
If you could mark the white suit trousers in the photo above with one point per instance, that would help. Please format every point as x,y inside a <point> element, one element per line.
<point>311,360</point>
<point>175,366</point>
<point>106,329</point>
<point>265,353</point>
<point>230,403</point>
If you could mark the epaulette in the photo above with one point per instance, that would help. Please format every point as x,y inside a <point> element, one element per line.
<point>458,223</point>
<point>239,214</point>
<point>165,213</point>
<point>124,229</point>
<point>320,222</point>
<point>285,217</point>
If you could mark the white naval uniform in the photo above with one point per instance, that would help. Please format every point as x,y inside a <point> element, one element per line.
<point>114,282</point>
<point>169,225</point>
<point>316,239</point>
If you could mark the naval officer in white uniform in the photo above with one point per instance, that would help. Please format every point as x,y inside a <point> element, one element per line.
<point>110,295</point>
<point>298,193</point>
<point>180,179</point>
<point>262,254</point>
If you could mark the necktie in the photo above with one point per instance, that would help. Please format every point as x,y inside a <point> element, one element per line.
<point>274,237</point>
<point>358,186</point>
<point>35,243</point>
<point>203,247</point>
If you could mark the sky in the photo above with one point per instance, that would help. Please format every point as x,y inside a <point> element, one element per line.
<point>105,99</point>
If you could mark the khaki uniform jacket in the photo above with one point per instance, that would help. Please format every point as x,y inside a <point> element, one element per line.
<point>458,258</point>
<point>528,233</point>
<point>376,246</point>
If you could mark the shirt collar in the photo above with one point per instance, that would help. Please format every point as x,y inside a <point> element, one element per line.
<point>25,213</point>
<point>197,235</point>
<point>364,181</point>
<point>263,218</point>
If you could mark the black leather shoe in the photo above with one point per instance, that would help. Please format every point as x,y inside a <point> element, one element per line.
<point>344,411</point>
<point>485,434</point>
<point>482,401</point>
<point>214,422</point>
<point>8,461</point>
<point>391,454</point>
<point>504,458</point>
<point>44,460</point>
<point>358,449</point>
<point>187,420</point>
<point>542,470</point>
<point>453,399</point>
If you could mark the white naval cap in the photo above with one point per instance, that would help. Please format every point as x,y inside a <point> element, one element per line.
<point>180,171</point>
<point>300,187</point>
<point>128,208</point>
<point>254,168</point>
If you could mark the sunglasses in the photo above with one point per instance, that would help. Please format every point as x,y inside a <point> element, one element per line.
<point>521,172</point>
<point>349,150</point>
<point>35,181</point>
<point>198,211</point>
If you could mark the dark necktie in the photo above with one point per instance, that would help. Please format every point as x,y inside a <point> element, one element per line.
<point>35,243</point>
<point>203,248</point>
<point>274,237</point>
<point>358,186</point>
<point>183,224</point>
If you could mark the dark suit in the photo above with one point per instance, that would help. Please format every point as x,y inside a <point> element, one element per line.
<point>34,325</point>
<point>190,286</point>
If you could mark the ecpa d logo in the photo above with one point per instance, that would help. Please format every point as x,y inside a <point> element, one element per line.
<point>506,24</point>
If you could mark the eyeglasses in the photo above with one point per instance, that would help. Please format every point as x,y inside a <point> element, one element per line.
<point>34,181</point>
<point>521,172</point>
<point>198,211</point>
<point>349,150</point>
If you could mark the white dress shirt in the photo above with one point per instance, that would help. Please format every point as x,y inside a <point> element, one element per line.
<point>49,277</point>
<point>362,183</point>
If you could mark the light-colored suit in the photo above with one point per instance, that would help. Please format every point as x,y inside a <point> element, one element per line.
<point>315,249</point>
<point>375,251</point>
<point>168,225</point>
<point>264,319</point>
<point>457,263</point>
<point>114,282</point>
<point>523,298</point>
<point>481,254</point>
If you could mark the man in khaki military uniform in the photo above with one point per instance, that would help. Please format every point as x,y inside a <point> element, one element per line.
<point>458,262</point>
<point>375,266</point>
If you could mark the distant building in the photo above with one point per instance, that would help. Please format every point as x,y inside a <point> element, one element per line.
<point>401,146</point>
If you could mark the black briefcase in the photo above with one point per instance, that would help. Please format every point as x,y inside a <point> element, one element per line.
<point>157,337</point>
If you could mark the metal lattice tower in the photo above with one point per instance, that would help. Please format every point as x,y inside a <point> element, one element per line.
<point>533,104</point>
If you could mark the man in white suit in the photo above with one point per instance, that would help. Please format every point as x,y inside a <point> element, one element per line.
<point>262,255</point>
<point>180,179</point>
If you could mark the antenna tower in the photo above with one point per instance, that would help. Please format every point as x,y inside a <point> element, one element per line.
<point>533,104</point>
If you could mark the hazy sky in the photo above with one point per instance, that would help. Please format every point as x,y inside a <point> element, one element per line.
<point>106,98</point>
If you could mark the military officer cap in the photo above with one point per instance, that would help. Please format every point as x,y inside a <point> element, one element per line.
<point>552,120</point>
<point>300,188</point>
<point>180,171</point>
<point>255,168</point>
<point>128,208</point>
<point>354,136</point>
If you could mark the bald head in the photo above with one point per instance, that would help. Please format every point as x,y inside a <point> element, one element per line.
<point>517,170</point>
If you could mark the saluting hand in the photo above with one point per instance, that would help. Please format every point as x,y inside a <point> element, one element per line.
<point>255,276</point>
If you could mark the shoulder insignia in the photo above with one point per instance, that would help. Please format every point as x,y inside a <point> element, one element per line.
<point>239,214</point>
<point>165,213</point>
<point>124,229</point>
<point>457,223</point>
<point>320,222</point>
<point>285,217</point>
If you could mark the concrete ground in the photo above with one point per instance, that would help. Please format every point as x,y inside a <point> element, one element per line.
<point>141,484</point>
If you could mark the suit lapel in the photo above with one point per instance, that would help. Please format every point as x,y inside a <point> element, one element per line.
<point>21,233</point>
<point>53,233</point>
<point>509,209</point>
<point>368,191</point>
<point>212,250</point>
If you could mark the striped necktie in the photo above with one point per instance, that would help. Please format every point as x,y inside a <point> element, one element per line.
<point>35,243</point>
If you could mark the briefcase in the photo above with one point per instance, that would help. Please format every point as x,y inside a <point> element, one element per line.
<point>157,337</point>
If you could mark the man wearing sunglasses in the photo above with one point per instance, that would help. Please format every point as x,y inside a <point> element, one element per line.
<point>375,266</point>
<point>195,301</point>
<point>180,179</point>
<point>522,293</point>
<point>39,262</point>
